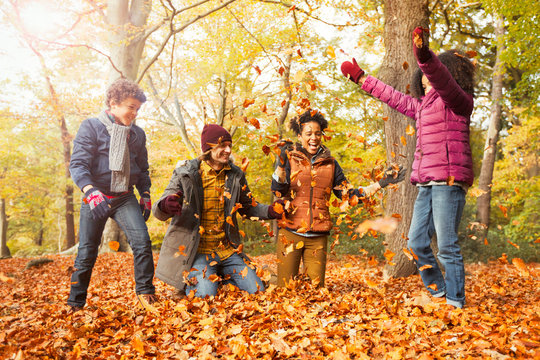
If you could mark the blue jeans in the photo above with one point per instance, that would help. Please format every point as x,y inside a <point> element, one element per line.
<point>438,210</point>
<point>126,211</point>
<point>234,266</point>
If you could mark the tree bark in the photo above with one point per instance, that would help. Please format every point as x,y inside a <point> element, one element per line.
<point>127,36</point>
<point>4,250</point>
<point>401,17</point>
<point>483,202</point>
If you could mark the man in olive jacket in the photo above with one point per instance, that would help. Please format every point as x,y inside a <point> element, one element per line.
<point>201,246</point>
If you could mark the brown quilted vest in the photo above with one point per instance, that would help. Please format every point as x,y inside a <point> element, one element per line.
<point>310,191</point>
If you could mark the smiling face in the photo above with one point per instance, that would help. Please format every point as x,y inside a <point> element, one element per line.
<point>126,111</point>
<point>311,137</point>
<point>426,84</point>
<point>220,154</point>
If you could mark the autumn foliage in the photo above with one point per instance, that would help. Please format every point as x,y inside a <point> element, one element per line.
<point>361,314</point>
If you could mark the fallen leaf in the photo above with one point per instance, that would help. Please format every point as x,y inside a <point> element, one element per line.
<point>114,245</point>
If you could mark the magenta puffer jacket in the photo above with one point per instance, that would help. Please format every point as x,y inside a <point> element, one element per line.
<point>442,124</point>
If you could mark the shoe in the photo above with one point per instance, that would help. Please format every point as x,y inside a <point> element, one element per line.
<point>148,298</point>
<point>146,301</point>
<point>73,309</point>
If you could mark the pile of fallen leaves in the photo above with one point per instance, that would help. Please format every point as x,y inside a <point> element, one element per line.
<point>361,314</point>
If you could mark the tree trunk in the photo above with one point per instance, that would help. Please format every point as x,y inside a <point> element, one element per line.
<point>128,20</point>
<point>4,251</point>
<point>401,17</point>
<point>490,151</point>
<point>127,40</point>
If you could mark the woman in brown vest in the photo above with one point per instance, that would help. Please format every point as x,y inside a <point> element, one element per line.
<point>305,176</point>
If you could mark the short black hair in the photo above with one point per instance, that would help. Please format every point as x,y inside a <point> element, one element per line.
<point>121,89</point>
<point>460,67</point>
<point>296,122</point>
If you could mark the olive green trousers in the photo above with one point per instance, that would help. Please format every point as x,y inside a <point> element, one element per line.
<point>292,248</point>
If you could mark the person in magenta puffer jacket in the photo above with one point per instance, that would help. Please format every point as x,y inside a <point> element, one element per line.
<point>443,89</point>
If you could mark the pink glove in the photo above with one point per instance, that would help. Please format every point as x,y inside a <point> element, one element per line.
<point>421,44</point>
<point>352,70</point>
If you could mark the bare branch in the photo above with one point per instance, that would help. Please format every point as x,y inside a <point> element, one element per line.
<point>173,31</point>
<point>289,5</point>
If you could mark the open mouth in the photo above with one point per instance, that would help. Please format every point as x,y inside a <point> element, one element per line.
<point>313,146</point>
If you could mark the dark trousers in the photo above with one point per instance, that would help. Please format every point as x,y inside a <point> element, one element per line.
<point>126,211</point>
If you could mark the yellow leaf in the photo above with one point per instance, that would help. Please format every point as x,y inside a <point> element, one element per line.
<point>300,245</point>
<point>410,130</point>
<point>330,51</point>
<point>403,140</point>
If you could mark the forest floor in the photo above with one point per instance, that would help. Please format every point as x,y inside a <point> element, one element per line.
<point>361,314</point>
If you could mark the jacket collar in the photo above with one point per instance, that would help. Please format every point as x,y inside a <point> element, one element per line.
<point>322,153</point>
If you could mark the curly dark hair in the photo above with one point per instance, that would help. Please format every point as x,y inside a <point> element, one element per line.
<point>296,122</point>
<point>460,67</point>
<point>122,89</point>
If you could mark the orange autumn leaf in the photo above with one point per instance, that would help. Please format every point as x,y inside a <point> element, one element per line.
<point>433,287</point>
<point>450,180</point>
<point>245,164</point>
<point>266,149</point>
<point>300,245</point>
<point>278,208</point>
<point>255,123</point>
<point>180,251</point>
<point>236,207</point>
<point>227,195</point>
<point>242,233</point>
<point>520,265</point>
<point>257,69</point>
<point>201,230</point>
<point>248,102</point>
<point>229,220</point>
<point>471,53</point>
<point>424,267</point>
<point>389,255</point>
<point>214,278</point>
<point>405,65</point>
<point>504,210</point>
<point>244,272</point>
<point>138,345</point>
<point>403,140</point>
<point>513,244</point>
<point>114,245</point>
<point>409,130</point>
<point>358,160</point>
<point>407,254</point>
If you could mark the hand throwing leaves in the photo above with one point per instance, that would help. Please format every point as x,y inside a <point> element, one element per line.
<point>391,176</point>
<point>421,44</point>
<point>352,71</point>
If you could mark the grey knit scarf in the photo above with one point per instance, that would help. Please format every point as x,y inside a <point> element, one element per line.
<point>118,153</point>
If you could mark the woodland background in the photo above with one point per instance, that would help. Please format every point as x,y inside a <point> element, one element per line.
<point>250,65</point>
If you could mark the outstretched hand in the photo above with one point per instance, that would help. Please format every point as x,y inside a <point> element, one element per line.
<point>352,71</point>
<point>392,177</point>
<point>421,44</point>
<point>277,209</point>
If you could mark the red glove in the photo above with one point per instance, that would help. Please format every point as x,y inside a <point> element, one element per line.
<point>421,44</point>
<point>352,70</point>
<point>172,204</point>
<point>277,209</point>
<point>145,203</point>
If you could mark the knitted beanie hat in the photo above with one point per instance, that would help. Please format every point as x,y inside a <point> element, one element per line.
<point>212,135</point>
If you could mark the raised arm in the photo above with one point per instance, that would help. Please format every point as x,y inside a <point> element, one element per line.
<point>405,104</point>
<point>453,96</point>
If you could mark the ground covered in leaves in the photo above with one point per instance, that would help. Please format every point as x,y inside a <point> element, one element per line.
<point>360,315</point>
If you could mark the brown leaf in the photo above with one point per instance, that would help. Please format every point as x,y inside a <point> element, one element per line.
<point>255,123</point>
<point>405,65</point>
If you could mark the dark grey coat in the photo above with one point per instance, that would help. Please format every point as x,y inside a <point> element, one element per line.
<point>184,229</point>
